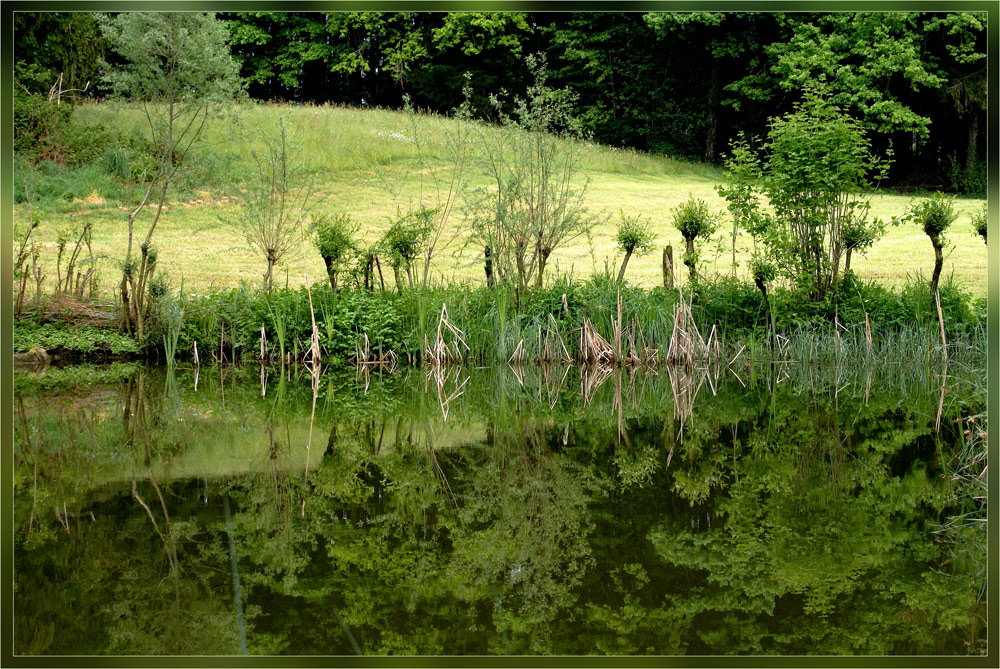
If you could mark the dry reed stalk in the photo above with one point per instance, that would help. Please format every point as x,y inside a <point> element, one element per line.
<point>591,378</point>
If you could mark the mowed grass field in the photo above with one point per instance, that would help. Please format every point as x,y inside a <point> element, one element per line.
<point>366,163</point>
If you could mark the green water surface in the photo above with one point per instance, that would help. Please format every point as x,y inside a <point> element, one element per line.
<point>793,510</point>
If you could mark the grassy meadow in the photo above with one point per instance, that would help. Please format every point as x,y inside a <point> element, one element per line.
<point>366,163</point>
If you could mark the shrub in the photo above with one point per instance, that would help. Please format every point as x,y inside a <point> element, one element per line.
<point>695,221</point>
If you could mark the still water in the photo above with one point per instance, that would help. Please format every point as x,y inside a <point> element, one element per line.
<point>790,510</point>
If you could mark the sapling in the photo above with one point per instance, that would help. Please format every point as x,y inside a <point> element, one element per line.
<point>934,215</point>
<point>634,236</point>
<point>335,242</point>
<point>695,221</point>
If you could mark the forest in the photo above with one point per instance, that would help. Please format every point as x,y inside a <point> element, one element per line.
<point>677,84</point>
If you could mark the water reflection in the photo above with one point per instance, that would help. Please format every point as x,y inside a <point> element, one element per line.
<point>514,510</point>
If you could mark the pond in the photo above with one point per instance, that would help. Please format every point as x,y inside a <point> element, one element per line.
<point>774,510</point>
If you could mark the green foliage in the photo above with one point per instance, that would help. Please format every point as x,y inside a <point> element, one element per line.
<point>335,240</point>
<point>694,219</point>
<point>815,169</point>
<point>934,215</point>
<point>634,234</point>
<point>406,238</point>
<point>980,222</point>
<point>90,341</point>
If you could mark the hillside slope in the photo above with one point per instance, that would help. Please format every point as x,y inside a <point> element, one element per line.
<point>366,163</point>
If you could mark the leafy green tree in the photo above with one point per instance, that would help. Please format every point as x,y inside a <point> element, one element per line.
<point>634,236</point>
<point>405,240</point>
<point>335,240</point>
<point>177,67</point>
<point>695,221</point>
<point>814,174</point>
<point>935,216</point>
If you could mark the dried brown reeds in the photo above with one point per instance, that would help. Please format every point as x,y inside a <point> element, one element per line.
<point>365,356</point>
<point>441,352</point>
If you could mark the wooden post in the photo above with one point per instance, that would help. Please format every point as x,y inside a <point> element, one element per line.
<point>668,266</point>
<point>195,352</point>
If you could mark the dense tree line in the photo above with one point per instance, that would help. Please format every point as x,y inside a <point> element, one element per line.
<point>682,84</point>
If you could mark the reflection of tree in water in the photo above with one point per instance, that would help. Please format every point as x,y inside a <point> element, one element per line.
<point>522,524</point>
<point>780,518</point>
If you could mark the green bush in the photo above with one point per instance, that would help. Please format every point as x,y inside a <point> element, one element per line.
<point>83,340</point>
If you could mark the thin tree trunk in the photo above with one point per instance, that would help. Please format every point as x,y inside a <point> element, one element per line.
<point>938,261</point>
<point>488,266</point>
<point>689,259</point>
<point>713,117</point>
<point>331,274</point>
<point>621,272</point>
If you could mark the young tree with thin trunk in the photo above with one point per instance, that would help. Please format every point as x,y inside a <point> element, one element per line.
<point>177,67</point>
<point>533,204</point>
<point>934,215</point>
<point>273,202</point>
<point>695,221</point>
<point>634,236</point>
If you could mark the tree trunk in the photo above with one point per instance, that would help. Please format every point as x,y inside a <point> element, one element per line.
<point>713,117</point>
<point>847,260</point>
<point>543,257</point>
<point>689,259</point>
<point>488,266</point>
<point>971,152</point>
<point>668,266</point>
<point>938,261</point>
<point>378,266</point>
<point>268,273</point>
<point>621,272</point>
<point>399,279</point>
<point>331,273</point>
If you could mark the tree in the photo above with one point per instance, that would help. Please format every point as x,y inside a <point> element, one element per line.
<point>66,44</point>
<point>532,206</point>
<point>177,67</point>
<point>934,215</point>
<point>336,244</point>
<point>695,221</point>
<point>406,239</point>
<point>274,202</point>
<point>814,175</point>
<point>634,236</point>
